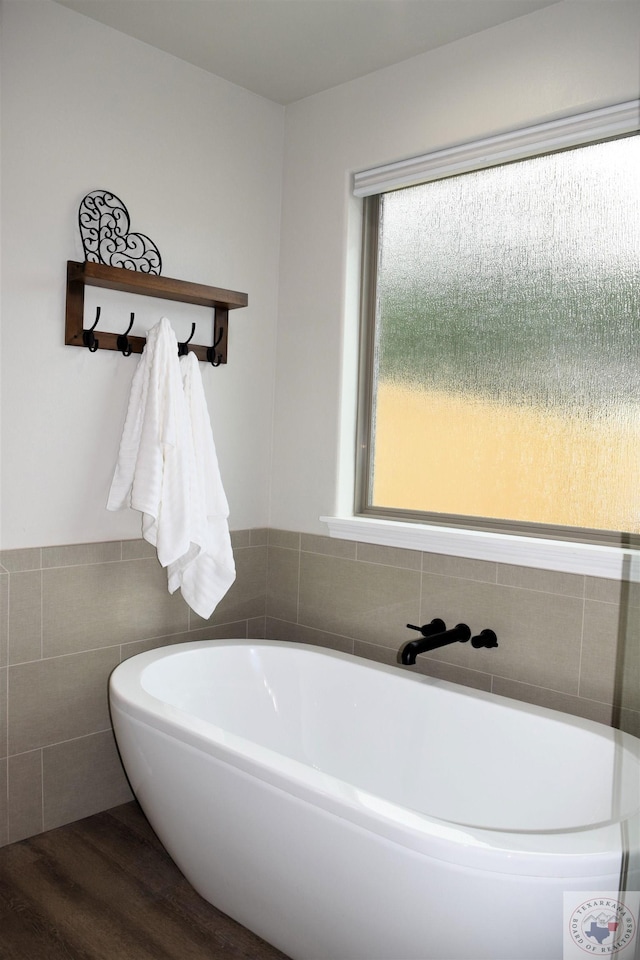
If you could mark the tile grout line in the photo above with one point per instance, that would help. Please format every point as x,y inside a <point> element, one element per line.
<point>42,614</point>
<point>298,580</point>
<point>579,677</point>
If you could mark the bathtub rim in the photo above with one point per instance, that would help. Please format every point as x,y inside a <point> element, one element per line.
<point>524,853</point>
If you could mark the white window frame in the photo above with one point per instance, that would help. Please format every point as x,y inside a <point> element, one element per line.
<point>562,555</point>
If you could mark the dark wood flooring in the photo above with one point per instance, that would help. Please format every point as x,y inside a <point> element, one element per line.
<point>104,888</point>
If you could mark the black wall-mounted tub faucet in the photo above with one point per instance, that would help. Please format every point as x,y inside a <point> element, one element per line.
<point>434,635</point>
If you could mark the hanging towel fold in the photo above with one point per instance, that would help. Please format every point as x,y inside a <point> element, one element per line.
<point>207,570</point>
<point>154,463</point>
<point>168,470</point>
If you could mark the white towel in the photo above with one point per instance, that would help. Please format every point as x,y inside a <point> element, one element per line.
<point>207,570</point>
<point>160,473</point>
<point>156,450</point>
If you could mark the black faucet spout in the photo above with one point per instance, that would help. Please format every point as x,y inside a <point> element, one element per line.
<point>432,639</point>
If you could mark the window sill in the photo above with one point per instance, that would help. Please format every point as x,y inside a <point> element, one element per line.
<point>580,558</point>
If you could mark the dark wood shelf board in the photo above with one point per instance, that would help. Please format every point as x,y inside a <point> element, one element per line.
<point>80,275</point>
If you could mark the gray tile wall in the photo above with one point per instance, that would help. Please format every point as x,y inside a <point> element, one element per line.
<point>568,642</point>
<point>69,615</point>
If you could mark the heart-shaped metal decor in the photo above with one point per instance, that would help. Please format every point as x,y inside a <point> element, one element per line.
<point>104,227</point>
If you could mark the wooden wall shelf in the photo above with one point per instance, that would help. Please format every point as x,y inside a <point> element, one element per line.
<point>80,275</point>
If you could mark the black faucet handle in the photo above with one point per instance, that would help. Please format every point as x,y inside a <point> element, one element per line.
<point>428,629</point>
<point>486,638</point>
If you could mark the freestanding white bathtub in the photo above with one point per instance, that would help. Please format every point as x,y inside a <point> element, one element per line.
<point>345,810</point>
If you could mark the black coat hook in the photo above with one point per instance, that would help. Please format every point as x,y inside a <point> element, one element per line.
<point>87,335</point>
<point>215,359</point>
<point>183,348</point>
<point>123,342</point>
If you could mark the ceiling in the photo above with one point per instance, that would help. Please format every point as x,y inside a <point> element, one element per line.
<point>285,50</point>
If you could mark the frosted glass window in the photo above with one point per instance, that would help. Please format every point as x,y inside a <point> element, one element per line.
<point>506,368</point>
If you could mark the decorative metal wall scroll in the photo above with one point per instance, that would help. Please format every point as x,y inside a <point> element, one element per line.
<point>104,227</point>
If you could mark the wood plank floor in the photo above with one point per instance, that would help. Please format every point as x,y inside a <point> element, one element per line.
<point>104,888</point>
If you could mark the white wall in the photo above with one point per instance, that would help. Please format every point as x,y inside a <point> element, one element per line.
<point>565,59</point>
<point>198,162</point>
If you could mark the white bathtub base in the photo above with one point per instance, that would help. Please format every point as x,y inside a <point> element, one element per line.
<point>344,810</point>
<point>319,887</point>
